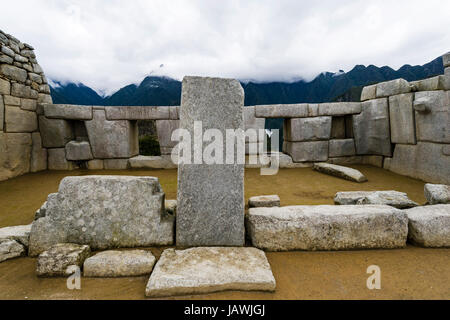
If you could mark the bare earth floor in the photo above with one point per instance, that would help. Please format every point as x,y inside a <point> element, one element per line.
<point>411,273</point>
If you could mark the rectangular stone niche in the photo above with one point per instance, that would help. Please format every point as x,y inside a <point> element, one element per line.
<point>211,197</point>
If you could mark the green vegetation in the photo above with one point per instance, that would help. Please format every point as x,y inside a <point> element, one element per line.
<point>149,146</point>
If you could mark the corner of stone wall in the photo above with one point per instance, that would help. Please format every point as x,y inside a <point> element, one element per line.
<point>23,86</point>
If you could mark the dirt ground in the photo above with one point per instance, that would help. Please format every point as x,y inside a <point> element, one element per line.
<point>410,273</point>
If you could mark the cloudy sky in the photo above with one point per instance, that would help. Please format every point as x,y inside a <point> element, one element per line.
<point>107,44</point>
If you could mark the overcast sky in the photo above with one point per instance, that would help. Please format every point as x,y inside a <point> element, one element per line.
<point>107,44</point>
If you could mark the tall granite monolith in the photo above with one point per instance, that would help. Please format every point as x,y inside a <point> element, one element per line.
<point>210,196</point>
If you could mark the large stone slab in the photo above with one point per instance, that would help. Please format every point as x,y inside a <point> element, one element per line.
<point>307,151</point>
<point>67,111</point>
<point>425,161</point>
<point>20,234</point>
<point>307,129</point>
<point>327,227</point>
<point>15,154</point>
<point>392,198</point>
<point>57,260</point>
<point>18,120</point>
<point>429,226</point>
<point>55,133</point>
<point>340,171</point>
<point>392,88</point>
<point>282,111</point>
<point>437,193</point>
<point>112,139</point>
<point>371,128</point>
<point>10,249</point>
<point>104,212</point>
<point>138,113</point>
<point>432,116</point>
<point>211,197</point>
<point>115,263</point>
<point>207,269</point>
<point>264,201</point>
<point>401,117</point>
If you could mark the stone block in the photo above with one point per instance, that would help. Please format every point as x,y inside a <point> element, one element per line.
<point>432,116</point>
<point>2,113</point>
<point>307,129</point>
<point>104,212</point>
<point>38,154</point>
<point>206,270</point>
<point>341,148</point>
<point>340,172</point>
<point>327,227</point>
<point>164,129</point>
<point>23,91</point>
<point>56,133</point>
<point>115,164</point>
<point>15,154</point>
<point>28,104</point>
<point>392,198</point>
<point>58,259</point>
<point>282,111</point>
<point>437,193</point>
<point>429,226</point>
<point>78,151</point>
<point>423,161</point>
<point>264,201</point>
<point>57,160</point>
<point>369,93</point>
<point>10,249</point>
<point>67,111</point>
<point>12,101</point>
<point>96,164</point>
<point>5,87</point>
<point>152,162</point>
<point>138,113</point>
<point>113,263</point>
<point>338,128</point>
<point>202,220</point>
<point>401,117</point>
<point>20,234</point>
<point>392,88</point>
<point>13,73</point>
<point>339,108</point>
<point>112,139</point>
<point>432,84</point>
<point>308,151</point>
<point>371,128</point>
<point>18,120</point>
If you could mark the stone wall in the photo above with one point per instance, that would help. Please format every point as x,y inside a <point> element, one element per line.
<point>23,87</point>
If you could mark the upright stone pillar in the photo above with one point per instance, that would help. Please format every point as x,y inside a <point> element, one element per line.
<point>210,208</point>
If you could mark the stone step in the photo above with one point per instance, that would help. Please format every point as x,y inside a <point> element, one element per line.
<point>113,263</point>
<point>340,172</point>
<point>210,269</point>
<point>327,227</point>
<point>429,226</point>
<point>392,198</point>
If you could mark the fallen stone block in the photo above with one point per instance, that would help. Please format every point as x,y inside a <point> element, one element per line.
<point>437,193</point>
<point>327,227</point>
<point>429,226</point>
<point>210,269</point>
<point>57,259</point>
<point>20,234</point>
<point>395,199</point>
<point>340,171</point>
<point>67,111</point>
<point>115,263</point>
<point>392,88</point>
<point>282,111</point>
<point>264,201</point>
<point>10,249</point>
<point>104,212</point>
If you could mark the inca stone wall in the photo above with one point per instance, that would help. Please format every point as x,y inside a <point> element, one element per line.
<point>23,87</point>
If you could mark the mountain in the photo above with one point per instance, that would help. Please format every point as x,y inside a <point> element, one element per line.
<point>72,93</point>
<point>341,86</point>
